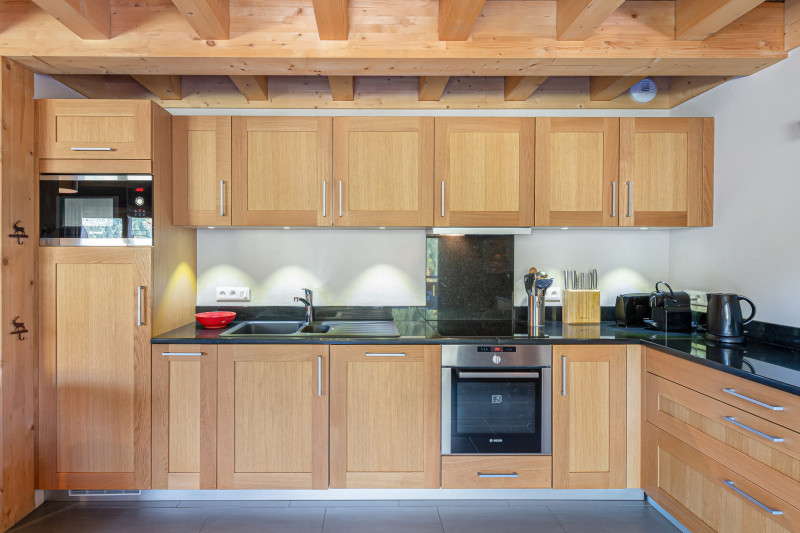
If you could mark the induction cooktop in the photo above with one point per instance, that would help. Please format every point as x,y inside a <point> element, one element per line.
<point>473,328</point>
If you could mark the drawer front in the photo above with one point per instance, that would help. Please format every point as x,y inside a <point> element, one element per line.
<point>765,453</point>
<point>776,406</point>
<point>94,129</point>
<point>705,496</point>
<point>497,472</point>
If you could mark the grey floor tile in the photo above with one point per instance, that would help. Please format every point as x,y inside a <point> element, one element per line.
<point>119,520</point>
<point>383,520</point>
<point>531,519</point>
<point>266,520</point>
<point>595,517</point>
<point>453,503</point>
<point>207,504</point>
<point>343,503</point>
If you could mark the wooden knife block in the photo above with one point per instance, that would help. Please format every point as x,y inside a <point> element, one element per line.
<point>581,306</point>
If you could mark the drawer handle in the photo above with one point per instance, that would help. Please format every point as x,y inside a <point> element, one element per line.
<point>732,486</point>
<point>369,354</point>
<point>512,474</point>
<point>733,421</point>
<point>82,149</point>
<point>186,354</point>
<point>732,392</point>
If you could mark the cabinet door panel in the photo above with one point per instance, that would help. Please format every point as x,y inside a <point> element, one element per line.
<point>577,163</point>
<point>484,169</point>
<point>184,416</point>
<point>385,167</point>
<point>273,409</point>
<point>281,168</point>
<point>94,371</point>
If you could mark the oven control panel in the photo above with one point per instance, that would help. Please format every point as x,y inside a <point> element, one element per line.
<point>504,355</point>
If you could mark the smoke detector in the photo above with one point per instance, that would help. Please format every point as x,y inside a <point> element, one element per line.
<point>644,91</point>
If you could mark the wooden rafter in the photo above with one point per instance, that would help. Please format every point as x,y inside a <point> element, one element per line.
<point>683,88</point>
<point>432,87</point>
<point>165,87</point>
<point>792,16</point>
<point>520,88</point>
<point>209,18</point>
<point>254,88</point>
<point>88,19</point>
<point>696,20</point>
<point>606,88</point>
<point>578,19</point>
<point>457,17</point>
<point>332,19</point>
<point>341,88</point>
<point>90,85</point>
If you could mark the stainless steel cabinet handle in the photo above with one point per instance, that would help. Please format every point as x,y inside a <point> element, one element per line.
<point>324,199</point>
<point>187,354</point>
<point>614,198</point>
<point>630,199</point>
<point>222,198</point>
<point>733,421</point>
<point>82,149</point>
<point>340,197</point>
<point>385,354</point>
<point>732,486</point>
<point>512,474</point>
<point>498,375</point>
<point>563,375</point>
<point>319,375</point>
<point>733,392</point>
<point>139,310</point>
<point>443,198</point>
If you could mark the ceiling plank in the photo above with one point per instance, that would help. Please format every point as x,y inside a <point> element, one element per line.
<point>332,19</point>
<point>606,88</point>
<point>165,87</point>
<point>432,87</point>
<point>254,88</point>
<point>576,20</point>
<point>88,19</point>
<point>341,88</point>
<point>696,20</point>
<point>457,17</point>
<point>683,88</point>
<point>792,16</point>
<point>520,88</point>
<point>209,18</point>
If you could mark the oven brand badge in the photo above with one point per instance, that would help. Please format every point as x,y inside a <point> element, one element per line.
<point>497,398</point>
<point>495,440</point>
<point>496,359</point>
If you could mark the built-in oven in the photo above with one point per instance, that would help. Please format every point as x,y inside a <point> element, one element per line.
<point>96,209</point>
<point>496,399</point>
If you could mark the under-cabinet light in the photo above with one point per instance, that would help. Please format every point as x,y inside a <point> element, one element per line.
<point>479,231</point>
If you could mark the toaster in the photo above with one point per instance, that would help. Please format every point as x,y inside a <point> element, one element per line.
<point>632,309</point>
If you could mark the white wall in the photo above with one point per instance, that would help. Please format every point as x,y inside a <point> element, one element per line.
<point>754,246</point>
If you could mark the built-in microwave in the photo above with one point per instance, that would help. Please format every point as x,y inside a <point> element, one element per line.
<point>96,209</point>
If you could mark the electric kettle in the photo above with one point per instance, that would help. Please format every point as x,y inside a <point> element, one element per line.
<point>724,317</point>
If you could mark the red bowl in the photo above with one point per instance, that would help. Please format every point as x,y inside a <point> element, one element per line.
<point>215,319</point>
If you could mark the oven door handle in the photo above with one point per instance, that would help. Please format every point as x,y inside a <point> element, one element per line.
<point>497,375</point>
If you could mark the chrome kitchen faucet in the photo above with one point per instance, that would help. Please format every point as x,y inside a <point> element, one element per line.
<point>308,301</point>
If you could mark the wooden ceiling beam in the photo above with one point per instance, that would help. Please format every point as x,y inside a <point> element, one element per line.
<point>606,88</point>
<point>333,22</point>
<point>432,87</point>
<point>254,88</point>
<point>576,20</point>
<point>457,17</point>
<point>696,20</point>
<point>520,88</point>
<point>341,88</point>
<point>792,18</point>
<point>683,88</point>
<point>165,87</point>
<point>211,19</point>
<point>88,19</point>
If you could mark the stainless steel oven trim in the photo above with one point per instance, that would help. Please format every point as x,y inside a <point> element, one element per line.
<point>447,409</point>
<point>95,177</point>
<point>75,241</point>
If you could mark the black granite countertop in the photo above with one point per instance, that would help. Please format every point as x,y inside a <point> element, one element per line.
<point>770,364</point>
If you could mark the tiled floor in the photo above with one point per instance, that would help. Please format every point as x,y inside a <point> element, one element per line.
<point>404,516</point>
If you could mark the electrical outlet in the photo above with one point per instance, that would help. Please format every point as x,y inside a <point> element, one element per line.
<point>553,294</point>
<point>233,294</point>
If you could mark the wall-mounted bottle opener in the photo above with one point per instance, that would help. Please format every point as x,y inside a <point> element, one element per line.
<point>19,328</point>
<point>19,232</point>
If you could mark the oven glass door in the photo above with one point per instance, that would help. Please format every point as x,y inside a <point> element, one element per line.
<point>495,411</point>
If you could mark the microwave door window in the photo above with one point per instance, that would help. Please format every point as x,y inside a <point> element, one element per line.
<point>90,217</point>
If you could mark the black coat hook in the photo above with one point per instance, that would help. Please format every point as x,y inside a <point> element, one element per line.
<point>19,232</point>
<point>19,328</point>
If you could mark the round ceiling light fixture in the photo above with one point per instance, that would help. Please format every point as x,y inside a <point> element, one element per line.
<point>644,91</point>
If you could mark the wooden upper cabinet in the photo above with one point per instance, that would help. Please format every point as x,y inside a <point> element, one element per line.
<point>94,371</point>
<point>281,171</point>
<point>484,169</point>
<point>383,171</point>
<point>666,171</point>
<point>385,413</point>
<point>201,171</point>
<point>184,416</point>
<point>589,417</point>
<point>94,129</point>
<point>273,417</point>
<point>577,164</point>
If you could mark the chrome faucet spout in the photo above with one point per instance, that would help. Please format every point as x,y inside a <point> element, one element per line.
<point>308,304</point>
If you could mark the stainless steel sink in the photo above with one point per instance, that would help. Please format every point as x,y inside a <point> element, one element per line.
<point>325,328</point>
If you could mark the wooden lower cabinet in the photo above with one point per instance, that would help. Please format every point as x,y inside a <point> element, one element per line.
<point>589,417</point>
<point>385,416</point>
<point>497,472</point>
<point>272,430</point>
<point>704,495</point>
<point>184,416</point>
